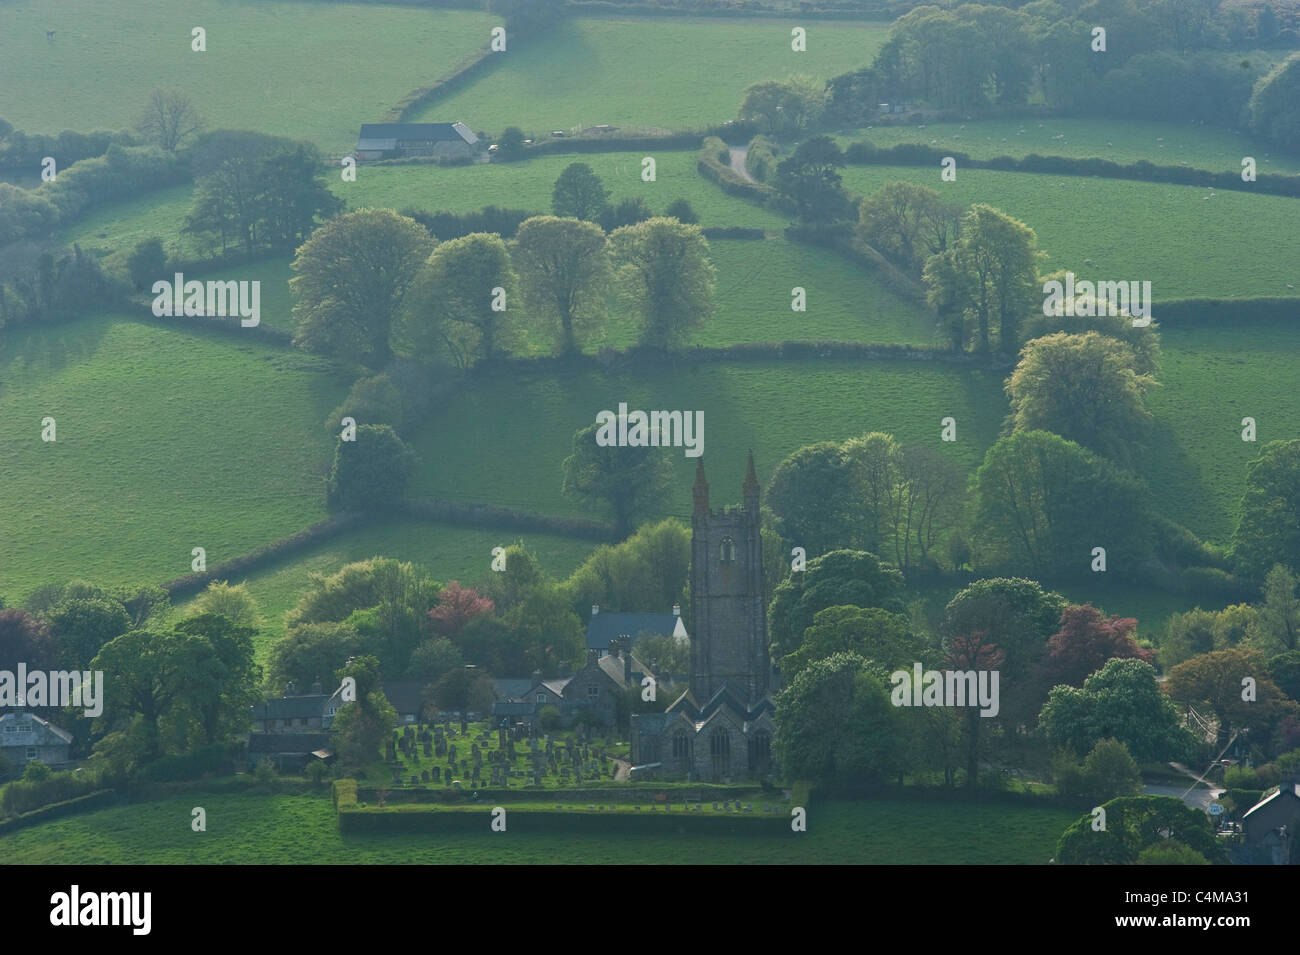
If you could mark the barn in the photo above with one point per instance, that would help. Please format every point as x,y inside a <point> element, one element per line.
<point>400,140</point>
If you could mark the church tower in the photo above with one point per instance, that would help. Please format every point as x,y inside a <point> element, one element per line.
<point>728,606</point>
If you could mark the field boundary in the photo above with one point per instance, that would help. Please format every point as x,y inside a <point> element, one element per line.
<point>99,799</point>
<point>505,518</point>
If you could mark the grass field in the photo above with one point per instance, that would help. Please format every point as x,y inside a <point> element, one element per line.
<point>1235,245</point>
<point>305,70</point>
<point>1121,141</point>
<point>652,72</point>
<point>772,407</point>
<point>445,551</point>
<point>1196,464</point>
<point>301,830</point>
<point>167,440</point>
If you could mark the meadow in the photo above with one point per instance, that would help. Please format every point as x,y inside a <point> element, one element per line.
<point>446,551</point>
<point>774,407</point>
<point>1118,140</point>
<point>1188,245</point>
<point>167,439</point>
<point>306,70</point>
<point>249,828</point>
<point>648,73</point>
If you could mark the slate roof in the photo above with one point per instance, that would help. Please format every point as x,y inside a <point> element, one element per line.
<point>1268,799</point>
<point>654,724</point>
<point>407,696</point>
<point>613,666</point>
<point>287,742</point>
<point>557,686</point>
<point>43,732</point>
<point>604,627</point>
<point>509,689</point>
<point>290,707</point>
<point>419,132</point>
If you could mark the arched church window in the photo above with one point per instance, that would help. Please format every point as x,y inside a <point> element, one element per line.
<point>760,750</point>
<point>728,552</point>
<point>720,750</point>
<point>681,745</point>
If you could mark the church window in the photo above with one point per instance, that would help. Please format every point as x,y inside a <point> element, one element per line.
<point>720,750</point>
<point>681,745</point>
<point>760,750</point>
<point>728,550</point>
<point>593,691</point>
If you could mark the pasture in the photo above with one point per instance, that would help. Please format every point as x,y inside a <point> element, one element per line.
<point>1118,140</point>
<point>306,70</point>
<point>167,439</point>
<point>446,551</point>
<point>1188,245</point>
<point>772,407</point>
<point>645,73</point>
<point>253,828</point>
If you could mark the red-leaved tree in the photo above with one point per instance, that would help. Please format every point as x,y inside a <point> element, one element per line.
<point>457,606</point>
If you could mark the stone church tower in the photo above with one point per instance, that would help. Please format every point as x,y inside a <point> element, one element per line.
<point>728,609</point>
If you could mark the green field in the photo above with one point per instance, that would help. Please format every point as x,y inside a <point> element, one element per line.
<point>1235,245</point>
<point>445,551</point>
<point>1121,141</point>
<point>1196,464</point>
<point>167,439</point>
<point>498,423</point>
<point>648,73</point>
<point>306,70</point>
<point>301,830</point>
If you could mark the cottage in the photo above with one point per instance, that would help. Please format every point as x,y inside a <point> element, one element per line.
<point>25,738</point>
<point>593,689</point>
<point>407,697</point>
<point>295,713</point>
<point>1271,823</point>
<point>400,140</point>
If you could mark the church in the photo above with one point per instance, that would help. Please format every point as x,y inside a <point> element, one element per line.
<point>721,727</point>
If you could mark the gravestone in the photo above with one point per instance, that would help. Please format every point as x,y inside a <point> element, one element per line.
<point>424,776</point>
<point>415,780</point>
<point>437,774</point>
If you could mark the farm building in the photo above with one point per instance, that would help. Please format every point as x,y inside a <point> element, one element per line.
<point>399,140</point>
<point>24,738</point>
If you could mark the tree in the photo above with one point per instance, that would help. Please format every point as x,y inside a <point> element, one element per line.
<point>840,578</point>
<point>1108,772</point>
<point>907,223</point>
<point>456,607</point>
<point>809,179</point>
<point>989,276</point>
<point>146,263</point>
<point>1285,670</point>
<point>373,399</point>
<point>25,639</point>
<point>1216,679</point>
<point>875,463</point>
<point>878,635</point>
<point>432,659</point>
<point>626,481</point>
<point>1142,339</point>
<point>928,502</point>
<point>1273,112</point>
<point>460,302</point>
<point>835,723</point>
<point>681,210</point>
<point>1086,641</point>
<point>309,653</point>
<point>292,196</point>
<point>811,493</point>
<point>1040,502</point>
<point>511,142</point>
<point>647,570</point>
<point>221,702</point>
<point>1138,823</point>
<point>352,276</point>
<point>564,272</point>
<point>370,473</point>
<point>508,588</point>
<point>230,197</point>
<point>579,193</point>
<point>403,596</point>
<point>81,626</point>
<point>665,655</point>
<point>665,274</point>
<point>464,690</point>
<point>784,108</point>
<point>361,726</point>
<point>1123,701</point>
<point>1277,625</point>
<point>169,118</point>
<point>1082,387</point>
<point>235,603</point>
<point>334,597</point>
<point>628,211</point>
<point>1268,531</point>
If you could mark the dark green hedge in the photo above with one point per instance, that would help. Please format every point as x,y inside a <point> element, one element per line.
<point>68,807</point>
<point>659,822</point>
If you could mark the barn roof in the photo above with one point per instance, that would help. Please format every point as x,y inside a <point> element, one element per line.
<point>434,132</point>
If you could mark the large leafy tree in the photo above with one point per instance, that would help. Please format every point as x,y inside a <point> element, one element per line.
<point>564,271</point>
<point>1273,110</point>
<point>1268,531</point>
<point>456,607</point>
<point>625,481</point>
<point>874,634</point>
<point>361,726</point>
<point>1122,701</point>
<point>369,473</point>
<point>579,193</point>
<point>1086,640</point>
<point>835,723</point>
<point>235,603</point>
<point>221,704</point>
<point>293,196</point>
<point>81,626</point>
<point>25,639</point>
<point>840,578</point>
<point>1082,387</point>
<point>1216,679</point>
<point>783,108</point>
<point>648,571</point>
<point>310,653</point>
<point>989,276</point>
<point>664,273</point>
<point>810,179</point>
<point>1040,504</point>
<point>908,223</point>
<point>1276,627</point>
<point>812,494</point>
<point>353,273</point>
<point>1135,824</point>
<point>453,306</point>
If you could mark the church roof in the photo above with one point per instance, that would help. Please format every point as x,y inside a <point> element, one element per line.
<point>605,627</point>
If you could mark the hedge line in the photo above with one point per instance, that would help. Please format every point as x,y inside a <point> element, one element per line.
<point>411,819</point>
<point>228,325</point>
<point>324,530</point>
<point>732,232</point>
<point>466,68</point>
<point>487,515</point>
<point>841,239</point>
<point>748,11</point>
<point>917,154</point>
<point>1191,312</point>
<point>702,791</point>
<point>87,803</point>
<point>727,178</point>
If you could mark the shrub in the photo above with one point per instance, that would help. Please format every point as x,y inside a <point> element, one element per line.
<point>373,400</point>
<point>548,718</point>
<point>370,473</point>
<point>760,158</point>
<point>146,263</point>
<point>681,210</point>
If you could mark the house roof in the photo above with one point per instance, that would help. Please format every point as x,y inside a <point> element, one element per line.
<point>556,686</point>
<point>287,742</point>
<point>43,731</point>
<point>407,696</point>
<point>425,132</point>
<point>511,689</point>
<point>290,707</point>
<point>604,627</point>
<point>1281,791</point>
<point>613,666</point>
